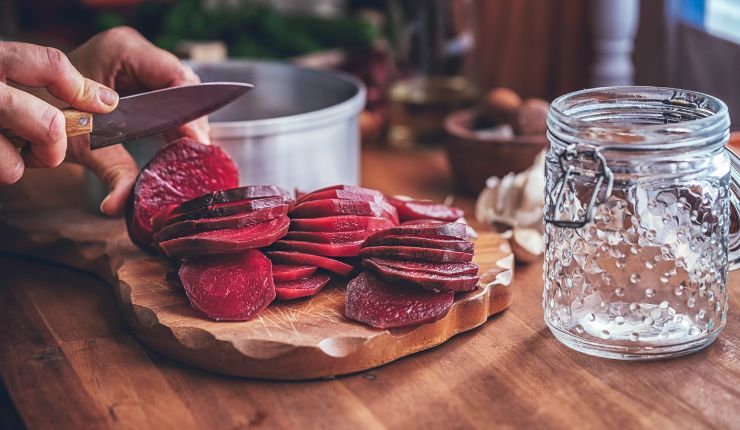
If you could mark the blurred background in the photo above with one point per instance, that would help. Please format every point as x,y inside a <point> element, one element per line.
<point>432,67</point>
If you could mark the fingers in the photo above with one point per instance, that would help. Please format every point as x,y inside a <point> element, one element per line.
<point>37,66</point>
<point>36,121</point>
<point>113,165</point>
<point>11,163</point>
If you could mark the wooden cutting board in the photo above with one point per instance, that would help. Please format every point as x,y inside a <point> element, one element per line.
<point>297,340</point>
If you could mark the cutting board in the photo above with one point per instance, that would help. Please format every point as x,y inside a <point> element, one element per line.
<point>304,339</point>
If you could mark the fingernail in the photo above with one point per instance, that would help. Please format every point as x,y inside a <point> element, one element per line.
<point>108,96</point>
<point>102,204</point>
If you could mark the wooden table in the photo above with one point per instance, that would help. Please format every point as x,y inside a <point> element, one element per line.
<point>67,361</point>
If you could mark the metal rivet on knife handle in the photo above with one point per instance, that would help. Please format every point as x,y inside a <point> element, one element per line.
<point>75,123</point>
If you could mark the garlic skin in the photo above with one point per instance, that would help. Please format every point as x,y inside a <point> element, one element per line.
<point>516,200</point>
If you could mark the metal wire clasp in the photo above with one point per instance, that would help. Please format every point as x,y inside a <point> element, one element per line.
<point>571,153</point>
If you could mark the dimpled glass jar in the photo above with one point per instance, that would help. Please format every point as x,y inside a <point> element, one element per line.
<point>638,235</point>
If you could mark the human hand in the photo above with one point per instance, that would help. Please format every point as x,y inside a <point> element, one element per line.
<point>32,118</point>
<point>124,60</point>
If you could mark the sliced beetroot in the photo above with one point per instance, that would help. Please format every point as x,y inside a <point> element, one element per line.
<point>249,192</point>
<point>235,287</point>
<point>226,241</point>
<point>291,272</point>
<point>246,219</point>
<point>377,303</point>
<point>334,207</point>
<point>341,223</point>
<point>354,193</point>
<point>327,237</point>
<point>226,209</point>
<point>416,253</point>
<point>424,280</point>
<point>409,210</point>
<point>347,249</point>
<point>292,257</point>
<point>425,242</point>
<point>451,229</point>
<point>180,171</point>
<point>444,269</point>
<point>305,287</point>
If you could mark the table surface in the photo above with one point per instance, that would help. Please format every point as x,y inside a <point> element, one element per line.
<point>68,361</point>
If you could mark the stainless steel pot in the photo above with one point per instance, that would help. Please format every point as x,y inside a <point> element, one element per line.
<point>298,128</point>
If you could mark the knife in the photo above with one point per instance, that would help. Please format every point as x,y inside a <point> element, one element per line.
<point>148,113</point>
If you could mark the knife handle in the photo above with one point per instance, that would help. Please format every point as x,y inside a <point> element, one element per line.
<point>75,123</point>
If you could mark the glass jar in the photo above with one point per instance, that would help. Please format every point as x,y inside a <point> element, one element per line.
<point>637,221</point>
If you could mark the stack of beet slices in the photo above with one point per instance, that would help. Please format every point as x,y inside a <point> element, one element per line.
<point>415,210</point>
<point>327,228</point>
<point>411,274</point>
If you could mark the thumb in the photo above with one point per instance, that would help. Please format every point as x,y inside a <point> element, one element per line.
<point>114,166</point>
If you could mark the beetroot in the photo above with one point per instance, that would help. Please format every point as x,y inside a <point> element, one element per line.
<point>327,237</point>
<point>409,210</point>
<point>291,257</point>
<point>246,219</point>
<point>347,249</point>
<point>444,269</point>
<point>298,288</point>
<point>234,287</point>
<point>291,272</point>
<point>416,253</point>
<point>424,280</point>
<point>226,240</point>
<point>226,209</point>
<point>249,192</point>
<point>333,207</point>
<point>354,194</point>
<point>452,229</point>
<point>372,301</point>
<point>341,223</point>
<point>426,242</point>
<point>181,170</point>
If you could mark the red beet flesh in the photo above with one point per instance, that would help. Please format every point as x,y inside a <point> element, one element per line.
<point>182,170</point>
<point>416,254</point>
<point>226,209</point>
<point>235,287</point>
<point>347,249</point>
<point>372,301</point>
<point>327,237</point>
<point>443,269</point>
<point>226,240</point>
<point>305,287</point>
<point>232,195</point>
<point>424,280</point>
<point>291,272</point>
<point>453,229</point>
<point>340,223</point>
<point>410,210</point>
<point>334,207</point>
<point>291,257</point>
<point>356,194</point>
<point>425,242</point>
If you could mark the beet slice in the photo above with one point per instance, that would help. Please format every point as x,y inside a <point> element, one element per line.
<point>341,223</point>
<point>451,229</point>
<point>327,237</point>
<point>181,170</point>
<point>246,219</point>
<point>354,194</point>
<point>416,253</point>
<point>298,288</point>
<point>333,207</point>
<point>444,269</point>
<point>235,287</point>
<point>347,249</point>
<point>424,280</point>
<point>424,242</point>
<point>226,209</point>
<point>376,303</point>
<point>292,257</point>
<point>291,272</point>
<point>409,210</point>
<point>234,194</point>
<point>226,241</point>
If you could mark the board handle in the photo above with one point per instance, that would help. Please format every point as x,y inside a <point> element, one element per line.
<point>76,122</point>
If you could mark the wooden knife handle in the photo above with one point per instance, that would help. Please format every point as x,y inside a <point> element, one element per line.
<point>75,123</point>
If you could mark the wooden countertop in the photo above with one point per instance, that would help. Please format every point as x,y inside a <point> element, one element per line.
<point>67,361</point>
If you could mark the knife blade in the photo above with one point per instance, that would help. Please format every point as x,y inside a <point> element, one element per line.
<point>148,113</point>
<point>156,111</point>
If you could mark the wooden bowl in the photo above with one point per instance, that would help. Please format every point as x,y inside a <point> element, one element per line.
<point>474,156</point>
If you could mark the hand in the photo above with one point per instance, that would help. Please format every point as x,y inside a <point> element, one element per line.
<point>34,119</point>
<point>124,60</point>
